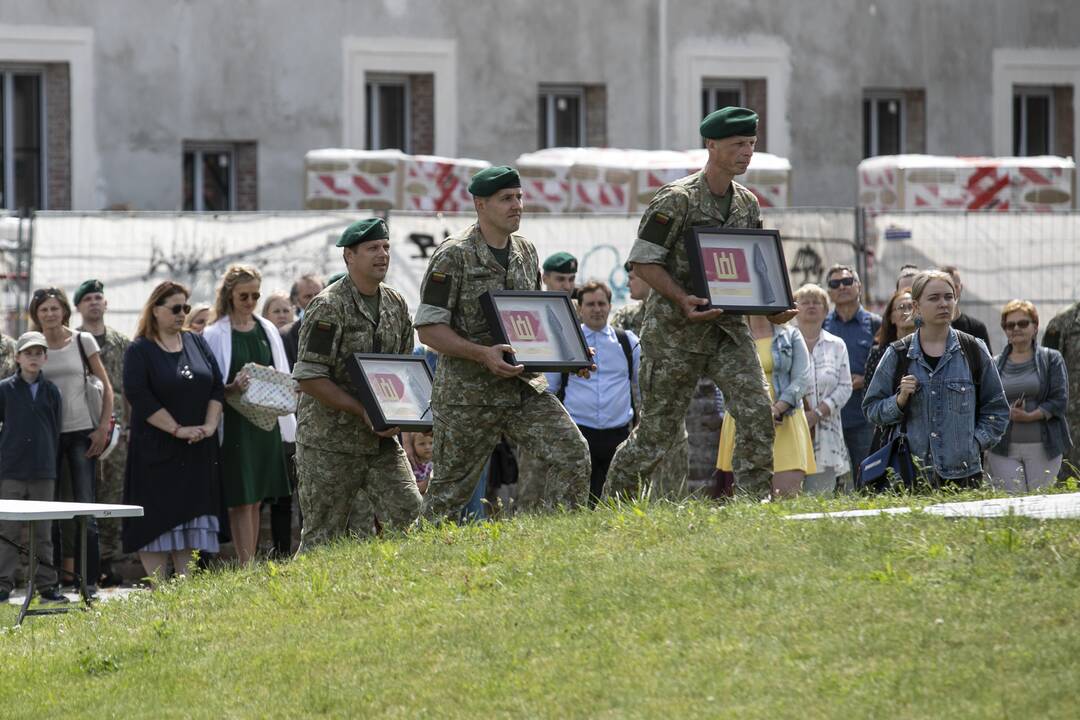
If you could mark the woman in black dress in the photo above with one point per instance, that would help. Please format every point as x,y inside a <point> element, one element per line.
<point>176,394</point>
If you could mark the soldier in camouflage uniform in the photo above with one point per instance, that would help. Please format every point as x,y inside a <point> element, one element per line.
<point>682,343</point>
<point>477,394</point>
<point>89,300</point>
<point>1063,335</point>
<point>338,454</point>
<point>669,478</point>
<point>7,356</point>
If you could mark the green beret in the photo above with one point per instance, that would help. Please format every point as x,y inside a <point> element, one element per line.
<point>729,121</point>
<point>561,262</point>
<point>364,230</point>
<point>334,278</point>
<point>493,179</point>
<point>90,286</point>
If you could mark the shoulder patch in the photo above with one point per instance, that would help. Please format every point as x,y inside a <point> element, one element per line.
<point>321,338</point>
<point>656,228</point>
<point>437,290</point>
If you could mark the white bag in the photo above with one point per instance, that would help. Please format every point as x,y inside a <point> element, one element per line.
<point>269,395</point>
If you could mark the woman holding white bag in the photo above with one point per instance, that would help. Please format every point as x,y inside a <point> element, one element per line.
<point>253,459</point>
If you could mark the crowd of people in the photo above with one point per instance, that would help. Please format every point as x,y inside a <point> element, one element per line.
<point>808,394</point>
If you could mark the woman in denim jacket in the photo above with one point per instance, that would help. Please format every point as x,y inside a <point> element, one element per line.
<point>786,362</point>
<point>937,396</point>
<point>1036,383</point>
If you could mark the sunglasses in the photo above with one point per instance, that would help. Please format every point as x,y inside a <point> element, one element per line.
<point>1021,324</point>
<point>845,282</point>
<point>46,292</point>
<point>906,308</point>
<point>176,309</point>
<point>244,297</point>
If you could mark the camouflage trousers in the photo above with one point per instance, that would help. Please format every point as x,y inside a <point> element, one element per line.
<point>668,376</point>
<point>529,493</point>
<point>465,436</point>
<point>110,489</point>
<point>330,481</point>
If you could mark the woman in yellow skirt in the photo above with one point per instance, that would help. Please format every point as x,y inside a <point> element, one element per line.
<point>786,362</point>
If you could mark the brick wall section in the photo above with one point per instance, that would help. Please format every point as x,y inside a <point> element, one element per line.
<point>58,136</point>
<point>422,113</point>
<point>596,115</point>
<point>1063,121</point>
<point>247,175</point>
<point>915,120</point>
<point>757,100</point>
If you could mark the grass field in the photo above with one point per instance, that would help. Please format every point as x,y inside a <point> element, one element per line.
<point>662,610</point>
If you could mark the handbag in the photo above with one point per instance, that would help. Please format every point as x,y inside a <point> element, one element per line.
<point>269,395</point>
<point>95,389</point>
<point>889,467</point>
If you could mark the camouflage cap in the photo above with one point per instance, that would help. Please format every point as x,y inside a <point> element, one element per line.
<point>88,286</point>
<point>729,121</point>
<point>561,262</point>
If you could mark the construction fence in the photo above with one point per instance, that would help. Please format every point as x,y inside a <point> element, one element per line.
<point>1000,255</point>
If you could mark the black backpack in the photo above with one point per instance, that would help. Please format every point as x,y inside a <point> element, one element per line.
<point>628,351</point>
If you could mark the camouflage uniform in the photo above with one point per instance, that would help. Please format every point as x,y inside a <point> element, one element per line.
<point>472,406</point>
<point>677,353</point>
<point>110,488</point>
<point>7,357</point>
<point>669,478</point>
<point>337,454</point>
<point>1063,335</point>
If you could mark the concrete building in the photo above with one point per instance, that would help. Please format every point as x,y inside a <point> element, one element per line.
<point>209,104</point>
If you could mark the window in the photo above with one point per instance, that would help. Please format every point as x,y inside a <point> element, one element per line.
<point>561,117</point>
<point>388,109</point>
<point>22,155</point>
<point>209,177</point>
<point>1033,121</point>
<point>716,94</point>
<point>883,124</point>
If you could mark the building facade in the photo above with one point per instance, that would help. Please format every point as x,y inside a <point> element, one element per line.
<point>210,105</point>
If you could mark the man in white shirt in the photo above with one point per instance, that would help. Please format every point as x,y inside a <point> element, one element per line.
<point>602,406</point>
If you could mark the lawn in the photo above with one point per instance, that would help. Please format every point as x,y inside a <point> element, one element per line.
<point>642,610</point>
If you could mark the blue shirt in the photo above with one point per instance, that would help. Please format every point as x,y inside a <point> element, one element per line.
<point>602,401</point>
<point>858,334</point>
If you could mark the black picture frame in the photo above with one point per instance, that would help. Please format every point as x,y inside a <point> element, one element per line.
<point>550,316</point>
<point>748,264</point>
<point>413,387</point>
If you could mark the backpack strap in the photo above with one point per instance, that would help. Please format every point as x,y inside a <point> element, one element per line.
<point>973,354</point>
<point>901,347</point>
<point>561,393</point>
<point>628,352</point>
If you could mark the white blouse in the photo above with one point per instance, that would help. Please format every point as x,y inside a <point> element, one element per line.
<point>831,385</point>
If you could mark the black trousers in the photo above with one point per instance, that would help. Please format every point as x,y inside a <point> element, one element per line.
<point>602,446</point>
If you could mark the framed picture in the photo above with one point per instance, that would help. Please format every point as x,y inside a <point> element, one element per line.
<point>739,270</point>
<point>542,327</point>
<point>394,389</point>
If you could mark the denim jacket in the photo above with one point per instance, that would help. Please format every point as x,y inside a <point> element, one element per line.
<point>791,366</point>
<point>941,425</point>
<point>1053,400</point>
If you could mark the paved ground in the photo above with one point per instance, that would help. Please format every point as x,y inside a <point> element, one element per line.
<point>103,595</point>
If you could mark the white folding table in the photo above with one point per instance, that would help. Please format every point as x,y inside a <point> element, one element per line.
<point>33,511</point>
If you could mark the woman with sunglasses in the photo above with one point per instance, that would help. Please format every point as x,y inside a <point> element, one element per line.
<point>1036,384</point>
<point>84,431</point>
<point>253,459</point>
<point>897,322</point>
<point>176,394</point>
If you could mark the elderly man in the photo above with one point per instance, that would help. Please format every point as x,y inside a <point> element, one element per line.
<point>683,342</point>
<point>602,405</point>
<point>856,327</point>
<point>478,395</point>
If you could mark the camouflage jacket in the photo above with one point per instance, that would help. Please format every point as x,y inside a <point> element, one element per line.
<point>462,269</point>
<point>629,317</point>
<point>7,356</point>
<point>677,206</point>
<point>1063,335</point>
<point>113,345</point>
<point>337,324</point>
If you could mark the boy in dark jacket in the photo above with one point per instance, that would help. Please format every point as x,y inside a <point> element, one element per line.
<point>29,437</point>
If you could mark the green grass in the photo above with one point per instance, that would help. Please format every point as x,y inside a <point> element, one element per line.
<point>659,610</point>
